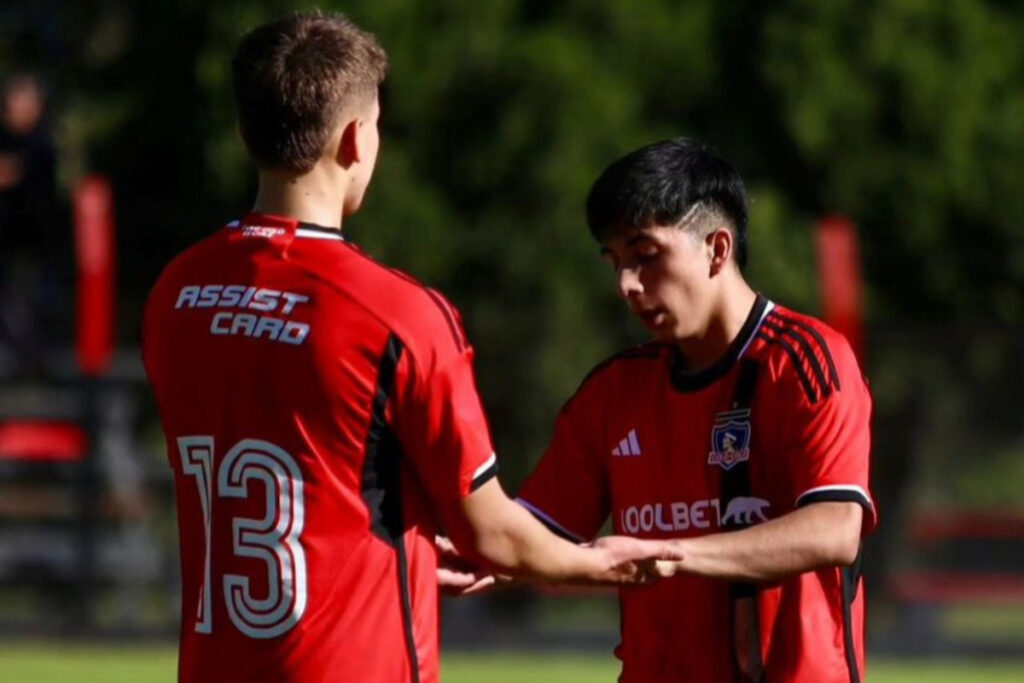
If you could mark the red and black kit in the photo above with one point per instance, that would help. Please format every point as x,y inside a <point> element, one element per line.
<point>780,421</point>
<point>317,407</point>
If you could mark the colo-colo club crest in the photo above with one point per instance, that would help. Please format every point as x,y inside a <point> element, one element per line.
<point>730,439</point>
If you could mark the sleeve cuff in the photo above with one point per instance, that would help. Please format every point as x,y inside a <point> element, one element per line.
<point>487,471</point>
<point>550,523</point>
<point>840,493</point>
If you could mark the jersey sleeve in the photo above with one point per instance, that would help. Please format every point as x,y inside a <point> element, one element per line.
<point>827,439</point>
<point>568,490</point>
<point>442,427</point>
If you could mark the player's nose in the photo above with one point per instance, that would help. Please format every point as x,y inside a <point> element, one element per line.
<point>629,283</point>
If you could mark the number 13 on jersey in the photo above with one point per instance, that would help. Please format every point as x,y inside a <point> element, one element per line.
<point>273,539</point>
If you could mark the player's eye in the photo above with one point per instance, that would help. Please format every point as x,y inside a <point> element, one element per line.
<point>646,252</point>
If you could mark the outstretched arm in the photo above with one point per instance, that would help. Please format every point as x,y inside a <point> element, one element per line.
<point>502,535</point>
<point>818,535</point>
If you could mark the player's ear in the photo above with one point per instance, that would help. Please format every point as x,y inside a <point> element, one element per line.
<point>720,245</point>
<point>348,151</point>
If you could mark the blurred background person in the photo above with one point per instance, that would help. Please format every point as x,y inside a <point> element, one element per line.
<point>28,198</point>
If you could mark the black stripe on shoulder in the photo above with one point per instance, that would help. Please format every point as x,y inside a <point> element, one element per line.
<point>826,352</point>
<point>806,349</point>
<point>801,373</point>
<point>449,316</point>
<point>461,343</point>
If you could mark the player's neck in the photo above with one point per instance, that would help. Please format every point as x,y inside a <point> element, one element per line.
<point>730,311</point>
<point>311,198</point>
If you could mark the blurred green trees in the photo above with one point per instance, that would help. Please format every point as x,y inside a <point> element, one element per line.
<point>906,115</point>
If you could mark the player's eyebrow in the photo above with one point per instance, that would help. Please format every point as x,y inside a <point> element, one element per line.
<point>638,237</point>
<point>635,237</point>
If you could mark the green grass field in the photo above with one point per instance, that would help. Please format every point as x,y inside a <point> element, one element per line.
<point>105,664</point>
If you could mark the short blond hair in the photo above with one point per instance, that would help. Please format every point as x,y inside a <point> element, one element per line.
<point>293,77</point>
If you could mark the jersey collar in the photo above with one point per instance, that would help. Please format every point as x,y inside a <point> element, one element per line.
<point>265,224</point>
<point>694,381</point>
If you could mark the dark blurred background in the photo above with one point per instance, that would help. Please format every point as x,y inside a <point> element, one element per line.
<point>905,117</point>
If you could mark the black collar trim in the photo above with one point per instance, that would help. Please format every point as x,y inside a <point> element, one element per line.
<point>694,381</point>
<point>320,230</point>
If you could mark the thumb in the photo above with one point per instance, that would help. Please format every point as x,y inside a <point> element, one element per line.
<point>661,569</point>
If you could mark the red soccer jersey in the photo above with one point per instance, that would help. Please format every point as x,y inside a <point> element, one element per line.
<point>656,448</point>
<point>316,407</point>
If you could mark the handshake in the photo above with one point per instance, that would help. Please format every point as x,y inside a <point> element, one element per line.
<point>608,561</point>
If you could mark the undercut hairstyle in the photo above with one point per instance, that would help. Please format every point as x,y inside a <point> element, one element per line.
<point>673,182</point>
<point>293,79</point>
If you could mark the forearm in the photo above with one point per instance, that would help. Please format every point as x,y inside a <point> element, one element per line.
<point>519,545</point>
<point>819,535</point>
<point>491,529</point>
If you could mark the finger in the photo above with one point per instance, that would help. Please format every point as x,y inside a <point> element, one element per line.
<point>662,569</point>
<point>444,545</point>
<point>628,573</point>
<point>483,584</point>
<point>449,578</point>
<point>458,584</point>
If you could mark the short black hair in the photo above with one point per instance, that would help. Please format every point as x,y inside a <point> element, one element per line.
<point>660,182</point>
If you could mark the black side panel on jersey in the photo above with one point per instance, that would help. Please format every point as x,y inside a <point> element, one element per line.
<point>735,482</point>
<point>382,490</point>
<point>381,483</point>
<point>851,584</point>
<point>745,624</point>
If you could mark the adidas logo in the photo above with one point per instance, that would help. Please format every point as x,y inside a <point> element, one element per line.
<point>628,446</point>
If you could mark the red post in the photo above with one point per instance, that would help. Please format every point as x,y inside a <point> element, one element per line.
<point>842,284</point>
<point>95,256</point>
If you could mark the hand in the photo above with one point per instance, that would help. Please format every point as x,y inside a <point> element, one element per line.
<point>457,576</point>
<point>458,584</point>
<point>10,171</point>
<point>632,561</point>
<point>660,569</point>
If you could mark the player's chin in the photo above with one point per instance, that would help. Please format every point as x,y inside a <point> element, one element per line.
<point>664,334</point>
<point>660,324</point>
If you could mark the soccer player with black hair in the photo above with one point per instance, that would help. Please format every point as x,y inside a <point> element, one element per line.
<point>741,430</point>
<point>320,409</point>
